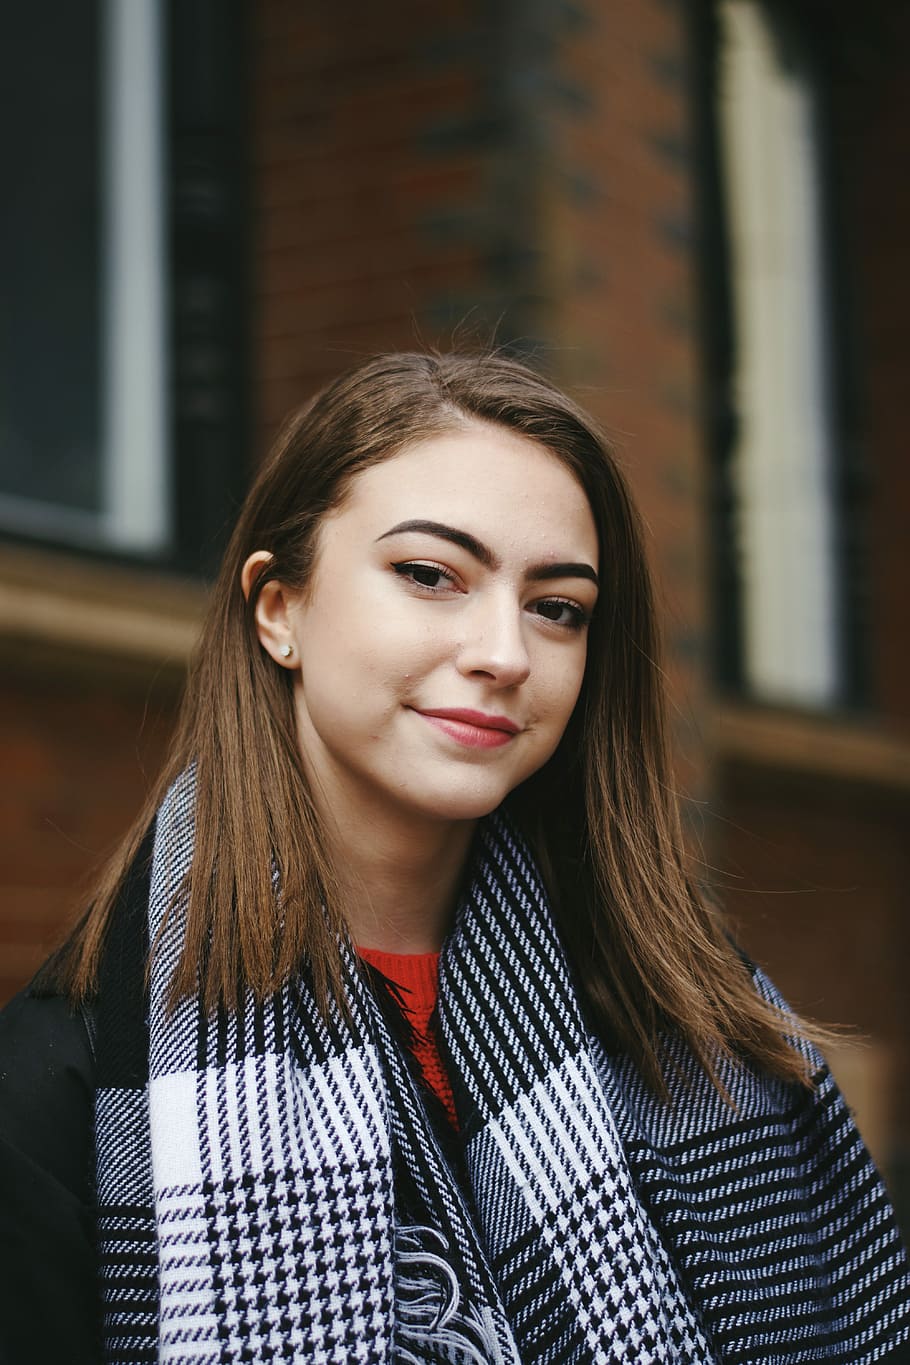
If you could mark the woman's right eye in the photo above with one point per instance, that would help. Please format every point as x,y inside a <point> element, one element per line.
<point>432,577</point>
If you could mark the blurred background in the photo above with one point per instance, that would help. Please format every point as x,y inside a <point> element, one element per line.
<point>692,215</point>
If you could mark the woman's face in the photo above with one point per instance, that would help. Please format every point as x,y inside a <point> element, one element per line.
<point>440,646</point>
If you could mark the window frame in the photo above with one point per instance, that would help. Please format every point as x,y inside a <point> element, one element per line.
<point>195,409</point>
<point>721,419</point>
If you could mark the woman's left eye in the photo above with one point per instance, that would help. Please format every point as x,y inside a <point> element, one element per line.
<point>562,612</point>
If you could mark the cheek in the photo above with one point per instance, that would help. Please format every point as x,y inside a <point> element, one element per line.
<point>356,669</point>
<point>562,686</point>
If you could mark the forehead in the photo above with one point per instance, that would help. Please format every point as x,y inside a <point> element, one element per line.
<point>489,480</point>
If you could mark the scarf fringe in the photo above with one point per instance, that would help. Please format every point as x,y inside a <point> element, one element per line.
<point>431,1324</point>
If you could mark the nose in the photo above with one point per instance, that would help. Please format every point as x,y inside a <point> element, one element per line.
<point>494,644</point>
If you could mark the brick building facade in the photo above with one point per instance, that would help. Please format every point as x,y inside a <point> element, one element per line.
<point>343,180</point>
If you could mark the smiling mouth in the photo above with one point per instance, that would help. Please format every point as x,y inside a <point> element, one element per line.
<point>472,728</point>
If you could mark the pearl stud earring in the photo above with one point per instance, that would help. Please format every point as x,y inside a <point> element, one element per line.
<point>286,651</point>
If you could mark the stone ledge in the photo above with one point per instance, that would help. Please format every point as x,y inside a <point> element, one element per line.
<point>836,746</point>
<point>83,610</point>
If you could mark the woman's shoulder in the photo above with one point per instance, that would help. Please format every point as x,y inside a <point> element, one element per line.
<point>47,1086</point>
<point>47,1219</point>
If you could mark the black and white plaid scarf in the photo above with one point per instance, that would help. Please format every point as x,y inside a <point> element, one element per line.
<point>271,1188</point>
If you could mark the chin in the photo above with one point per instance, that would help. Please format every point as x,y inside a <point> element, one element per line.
<point>461,807</point>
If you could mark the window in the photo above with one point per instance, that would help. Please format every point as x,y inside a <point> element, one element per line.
<point>783,515</point>
<point>120,259</point>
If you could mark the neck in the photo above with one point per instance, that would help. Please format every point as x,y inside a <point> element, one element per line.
<point>400,884</point>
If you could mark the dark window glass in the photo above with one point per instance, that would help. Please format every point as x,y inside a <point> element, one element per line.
<point>49,254</point>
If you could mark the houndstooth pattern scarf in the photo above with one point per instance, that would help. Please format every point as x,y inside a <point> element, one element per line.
<point>272,1188</point>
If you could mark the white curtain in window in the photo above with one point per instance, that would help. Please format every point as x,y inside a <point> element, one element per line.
<point>782,467</point>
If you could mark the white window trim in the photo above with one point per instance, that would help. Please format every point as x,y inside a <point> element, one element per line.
<point>136,484</point>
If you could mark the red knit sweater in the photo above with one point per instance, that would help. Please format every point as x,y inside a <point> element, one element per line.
<point>417,977</point>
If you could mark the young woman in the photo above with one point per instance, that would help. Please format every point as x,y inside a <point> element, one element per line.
<point>401,1032</point>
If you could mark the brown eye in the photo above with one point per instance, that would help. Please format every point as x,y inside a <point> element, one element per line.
<point>561,613</point>
<point>428,578</point>
<point>433,577</point>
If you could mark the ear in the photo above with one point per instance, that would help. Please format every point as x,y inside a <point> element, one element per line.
<point>273,623</point>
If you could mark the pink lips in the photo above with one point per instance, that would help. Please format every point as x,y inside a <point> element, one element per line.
<point>472,728</point>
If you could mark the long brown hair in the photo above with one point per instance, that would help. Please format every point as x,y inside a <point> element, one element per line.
<point>651,954</point>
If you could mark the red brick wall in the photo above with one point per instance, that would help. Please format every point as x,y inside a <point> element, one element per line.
<point>352,194</point>
<point>814,874</point>
<point>78,754</point>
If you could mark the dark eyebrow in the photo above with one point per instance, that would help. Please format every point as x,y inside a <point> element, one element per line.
<point>484,555</point>
<point>541,572</point>
<point>437,528</point>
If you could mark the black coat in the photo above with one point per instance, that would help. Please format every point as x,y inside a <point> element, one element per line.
<point>49,1300</point>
